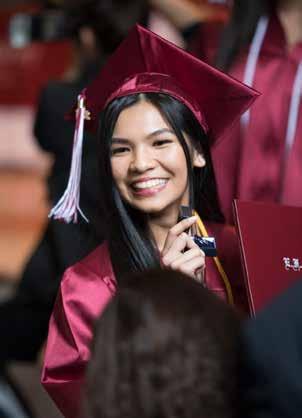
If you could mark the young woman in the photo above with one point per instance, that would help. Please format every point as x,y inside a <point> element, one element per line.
<point>172,350</point>
<point>154,122</point>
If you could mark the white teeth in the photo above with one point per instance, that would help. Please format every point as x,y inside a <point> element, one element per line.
<point>150,183</point>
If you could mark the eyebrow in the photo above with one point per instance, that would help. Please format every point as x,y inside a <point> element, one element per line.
<point>160,131</point>
<point>116,140</point>
<point>119,141</point>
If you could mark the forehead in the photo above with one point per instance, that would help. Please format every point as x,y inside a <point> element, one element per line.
<point>140,119</point>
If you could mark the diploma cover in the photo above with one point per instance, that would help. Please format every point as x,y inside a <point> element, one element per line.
<point>270,238</point>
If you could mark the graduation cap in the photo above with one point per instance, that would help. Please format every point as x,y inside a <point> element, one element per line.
<point>145,62</point>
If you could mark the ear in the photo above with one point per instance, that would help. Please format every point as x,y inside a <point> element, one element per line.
<point>198,159</point>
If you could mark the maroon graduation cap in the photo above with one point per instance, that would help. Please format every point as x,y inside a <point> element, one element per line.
<point>145,62</point>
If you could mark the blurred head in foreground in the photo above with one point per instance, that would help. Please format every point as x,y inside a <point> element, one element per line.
<point>164,347</point>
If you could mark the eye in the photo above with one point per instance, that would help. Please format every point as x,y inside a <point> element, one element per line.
<point>162,142</point>
<point>119,150</point>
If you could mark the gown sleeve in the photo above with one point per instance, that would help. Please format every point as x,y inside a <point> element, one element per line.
<point>83,295</point>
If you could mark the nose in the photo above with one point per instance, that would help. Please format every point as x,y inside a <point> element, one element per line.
<point>142,160</point>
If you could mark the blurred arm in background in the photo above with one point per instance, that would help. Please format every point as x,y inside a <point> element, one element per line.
<point>183,13</point>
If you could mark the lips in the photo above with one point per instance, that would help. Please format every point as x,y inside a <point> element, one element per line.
<point>148,187</point>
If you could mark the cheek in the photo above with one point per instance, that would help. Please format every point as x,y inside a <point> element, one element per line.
<point>118,170</point>
<point>177,161</point>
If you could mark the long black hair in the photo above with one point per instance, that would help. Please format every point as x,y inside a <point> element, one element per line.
<point>241,28</point>
<point>130,241</point>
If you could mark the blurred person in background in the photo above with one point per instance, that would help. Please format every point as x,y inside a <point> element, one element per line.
<point>164,347</point>
<point>271,385</point>
<point>96,27</point>
<point>262,46</point>
<point>190,17</point>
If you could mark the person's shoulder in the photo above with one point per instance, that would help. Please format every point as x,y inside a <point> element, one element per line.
<point>271,346</point>
<point>54,86</point>
<point>221,230</point>
<point>282,314</point>
<point>228,251</point>
<point>56,91</point>
<point>227,245</point>
<point>94,268</point>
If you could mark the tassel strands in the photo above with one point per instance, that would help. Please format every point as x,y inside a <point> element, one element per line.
<point>68,206</point>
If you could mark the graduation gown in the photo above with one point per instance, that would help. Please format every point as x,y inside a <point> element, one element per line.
<point>85,290</point>
<point>262,160</point>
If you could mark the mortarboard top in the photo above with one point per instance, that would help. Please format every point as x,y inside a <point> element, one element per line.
<point>145,62</point>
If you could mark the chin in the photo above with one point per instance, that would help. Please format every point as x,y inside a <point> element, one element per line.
<point>150,210</point>
<point>157,209</point>
<point>156,206</point>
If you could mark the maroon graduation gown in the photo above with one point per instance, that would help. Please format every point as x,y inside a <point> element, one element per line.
<point>85,290</point>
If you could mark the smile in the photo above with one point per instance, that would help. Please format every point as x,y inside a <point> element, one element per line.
<point>149,183</point>
<point>149,187</point>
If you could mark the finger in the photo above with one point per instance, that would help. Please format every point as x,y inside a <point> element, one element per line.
<point>192,266</point>
<point>190,245</point>
<point>175,250</point>
<point>183,225</point>
<point>185,257</point>
<point>176,230</point>
<point>199,275</point>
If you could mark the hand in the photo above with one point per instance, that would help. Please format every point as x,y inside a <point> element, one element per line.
<point>181,253</point>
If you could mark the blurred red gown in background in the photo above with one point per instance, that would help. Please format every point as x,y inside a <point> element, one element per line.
<point>263,160</point>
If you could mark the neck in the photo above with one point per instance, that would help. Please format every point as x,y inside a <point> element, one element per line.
<point>160,225</point>
<point>290,15</point>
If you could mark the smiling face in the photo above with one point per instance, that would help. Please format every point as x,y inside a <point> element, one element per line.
<point>148,162</point>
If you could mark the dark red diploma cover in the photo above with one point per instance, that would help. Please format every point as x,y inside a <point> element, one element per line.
<point>270,237</point>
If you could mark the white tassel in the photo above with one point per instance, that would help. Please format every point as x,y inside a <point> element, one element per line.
<point>68,206</point>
